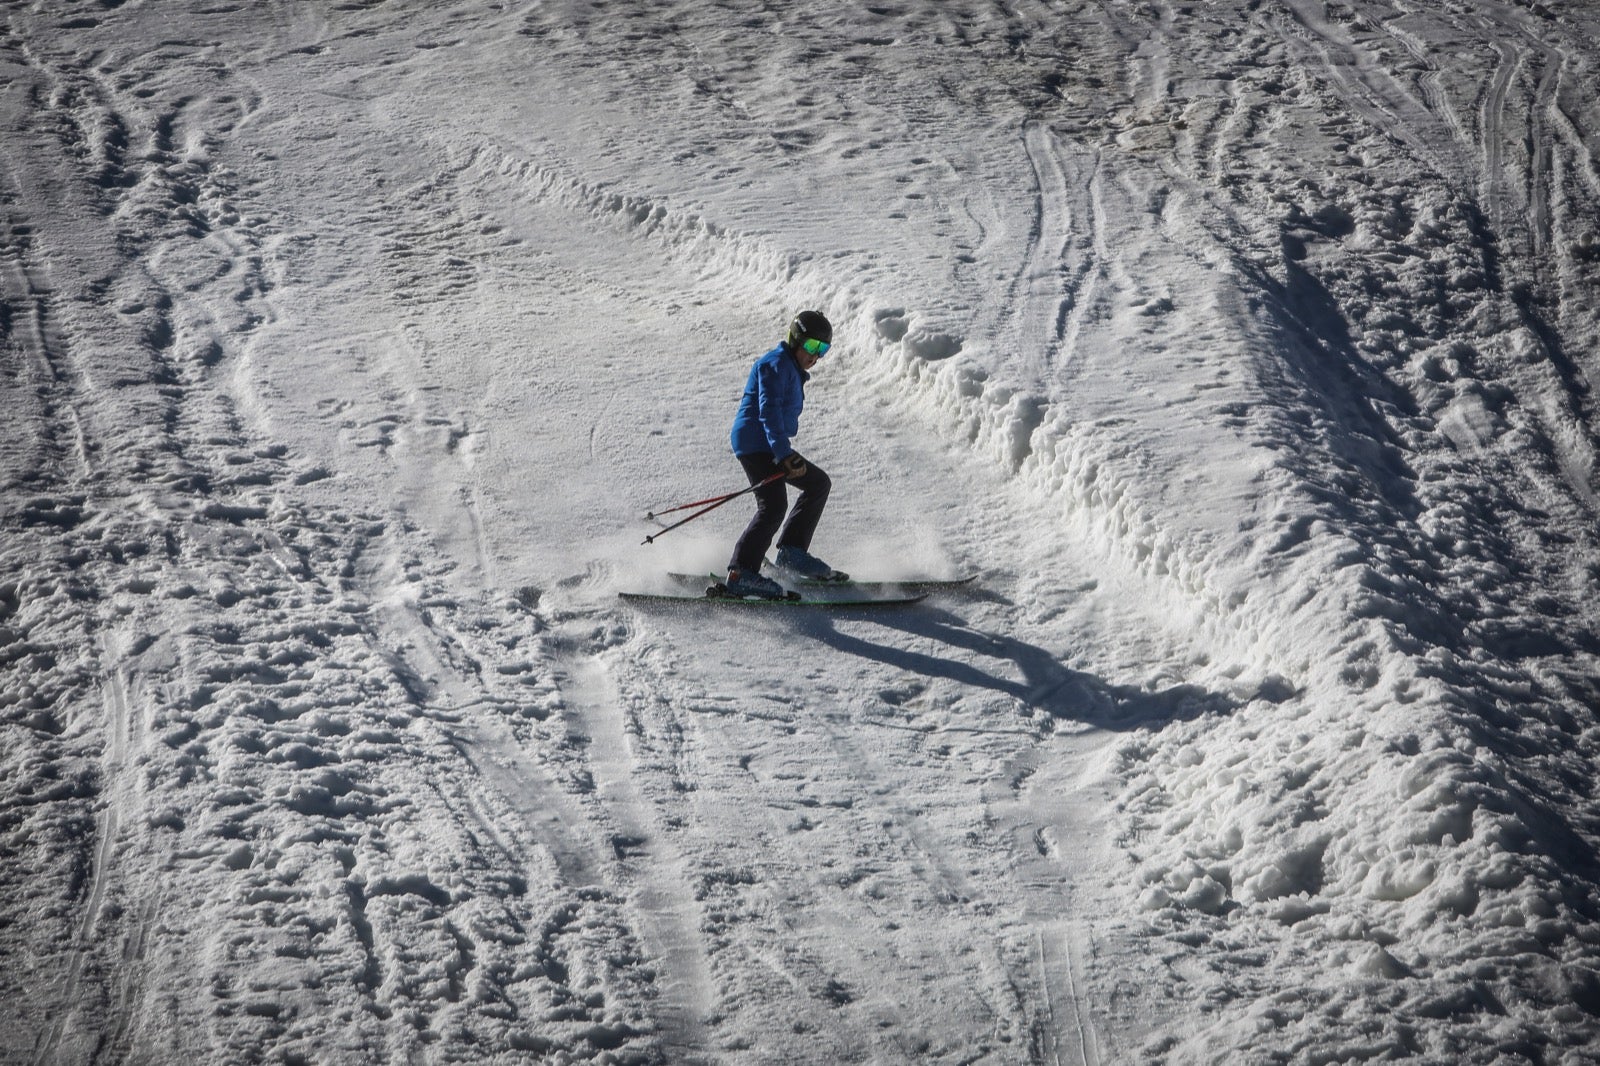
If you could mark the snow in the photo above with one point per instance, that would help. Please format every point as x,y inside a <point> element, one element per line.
<point>1243,349</point>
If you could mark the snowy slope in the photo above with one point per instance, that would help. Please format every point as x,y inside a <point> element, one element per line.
<point>1244,348</point>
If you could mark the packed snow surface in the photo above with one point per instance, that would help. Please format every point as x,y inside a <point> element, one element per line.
<point>1244,349</point>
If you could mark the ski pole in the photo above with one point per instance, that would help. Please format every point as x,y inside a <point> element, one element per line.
<point>725,497</point>
<point>712,504</point>
<point>697,503</point>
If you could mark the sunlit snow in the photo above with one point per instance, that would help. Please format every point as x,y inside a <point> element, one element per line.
<point>1242,348</point>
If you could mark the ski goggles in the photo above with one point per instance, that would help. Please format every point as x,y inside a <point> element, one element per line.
<point>816,347</point>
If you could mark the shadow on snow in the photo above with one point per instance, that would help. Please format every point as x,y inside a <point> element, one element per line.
<point>1043,683</point>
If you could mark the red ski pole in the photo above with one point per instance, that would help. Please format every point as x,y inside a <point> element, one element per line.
<point>697,503</point>
<point>712,503</point>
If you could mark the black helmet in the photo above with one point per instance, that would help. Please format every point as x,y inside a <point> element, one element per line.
<point>809,326</point>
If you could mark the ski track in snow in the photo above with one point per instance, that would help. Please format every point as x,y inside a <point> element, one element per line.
<point>1245,351</point>
<point>594,710</point>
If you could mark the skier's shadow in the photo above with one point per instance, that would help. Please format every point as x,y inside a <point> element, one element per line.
<point>1045,684</point>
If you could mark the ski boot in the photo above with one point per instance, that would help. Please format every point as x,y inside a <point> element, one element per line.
<point>808,567</point>
<point>742,585</point>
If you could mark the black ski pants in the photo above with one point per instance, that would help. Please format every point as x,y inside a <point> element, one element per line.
<point>771,500</point>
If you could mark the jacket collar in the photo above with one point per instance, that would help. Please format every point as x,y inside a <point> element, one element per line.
<point>805,375</point>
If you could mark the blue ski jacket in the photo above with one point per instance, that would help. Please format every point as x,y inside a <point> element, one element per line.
<point>769,411</point>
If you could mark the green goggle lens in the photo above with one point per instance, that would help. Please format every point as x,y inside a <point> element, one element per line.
<point>816,347</point>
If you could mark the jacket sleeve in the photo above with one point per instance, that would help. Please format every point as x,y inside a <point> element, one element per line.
<point>772,407</point>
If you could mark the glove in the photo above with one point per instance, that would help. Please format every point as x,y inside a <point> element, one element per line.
<point>793,466</point>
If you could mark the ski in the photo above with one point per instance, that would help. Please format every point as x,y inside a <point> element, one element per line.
<point>909,584</point>
<point>930,584</point>
<point>793,600</point>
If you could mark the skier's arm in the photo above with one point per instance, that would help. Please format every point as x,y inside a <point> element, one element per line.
<point>770,407</point>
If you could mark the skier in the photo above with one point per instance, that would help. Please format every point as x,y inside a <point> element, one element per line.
<point>769,415</point>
